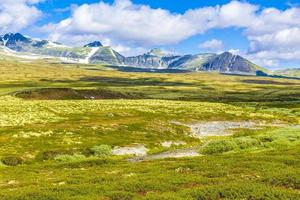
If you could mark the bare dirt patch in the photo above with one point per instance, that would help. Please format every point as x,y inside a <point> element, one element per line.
<point>180,153</point>
<point>219,128</point>
<point>138,150</point>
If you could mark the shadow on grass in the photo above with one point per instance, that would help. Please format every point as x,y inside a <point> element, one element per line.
<point>136,69</point>
<point>72,94</point>
<point>268,82</point>
<point>115,81</point>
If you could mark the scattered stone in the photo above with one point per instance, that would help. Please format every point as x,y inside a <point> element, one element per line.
<point>171,143</point>
<point>30,134</point>
<point>130,175</point>
<point>110,115</point>
<point>182,170</point>
<point>12,182</point>
<point>61,183</point>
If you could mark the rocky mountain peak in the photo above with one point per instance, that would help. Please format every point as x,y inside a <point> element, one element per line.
<point>94,44</point>
<point>12,38</point>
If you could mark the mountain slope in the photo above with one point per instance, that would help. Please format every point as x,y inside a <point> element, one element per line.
<point>288,72</point>
<point>228,62</point>
<point>96,53</point>
<point>106,55</point>
<point>225,62</point>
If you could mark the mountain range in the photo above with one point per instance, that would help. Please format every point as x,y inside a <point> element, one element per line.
<point>19,45</point>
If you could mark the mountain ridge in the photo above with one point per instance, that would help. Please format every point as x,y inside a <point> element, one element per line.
<point>96,53</point>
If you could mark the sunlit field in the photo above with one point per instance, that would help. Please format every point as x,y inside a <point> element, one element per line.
<point>61,127</point>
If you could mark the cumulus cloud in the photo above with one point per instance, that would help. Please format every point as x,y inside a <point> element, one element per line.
<point>140,25</point>
<point>212,45</point>
<point>17,14</point>
<point>275,36</point>
<point>123,20</point>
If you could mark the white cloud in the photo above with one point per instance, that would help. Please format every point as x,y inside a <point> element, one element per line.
<point>235,51</point>
<point>17,14</point>
<point>140,25</point>
<point>275,36</point>
<point>236,13</point>
<point>123,20</point>
<point>212,45</point>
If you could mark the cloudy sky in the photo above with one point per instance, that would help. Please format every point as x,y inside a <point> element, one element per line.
<point>267,33</point>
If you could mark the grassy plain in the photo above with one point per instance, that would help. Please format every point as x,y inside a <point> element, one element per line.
<point>46,145</point>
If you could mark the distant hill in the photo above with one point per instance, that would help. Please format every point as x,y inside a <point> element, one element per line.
<point>295,72</point>
<point>16,44</point>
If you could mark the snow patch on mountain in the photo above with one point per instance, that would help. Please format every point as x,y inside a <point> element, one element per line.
<point>56,45</point>
<point>91,53</point>
<point>5,41</point>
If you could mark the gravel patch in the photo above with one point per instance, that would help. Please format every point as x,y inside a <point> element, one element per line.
<point>138,150</point>
<point>219,128</point>
<point>181,153</point>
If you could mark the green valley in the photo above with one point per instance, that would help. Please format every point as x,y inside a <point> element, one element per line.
<point>73,131</point>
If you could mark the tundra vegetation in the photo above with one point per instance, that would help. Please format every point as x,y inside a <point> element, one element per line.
<point>60,125</point>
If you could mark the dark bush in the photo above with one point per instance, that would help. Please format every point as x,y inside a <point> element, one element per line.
<point>11,160</point>
<point>51,154</point>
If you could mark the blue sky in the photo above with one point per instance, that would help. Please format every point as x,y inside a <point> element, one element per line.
<point>263,31</point>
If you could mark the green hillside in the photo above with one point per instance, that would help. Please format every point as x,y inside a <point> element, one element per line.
<point>289,72</point>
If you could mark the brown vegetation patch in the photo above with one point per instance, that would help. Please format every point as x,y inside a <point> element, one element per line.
<point>72,94</point>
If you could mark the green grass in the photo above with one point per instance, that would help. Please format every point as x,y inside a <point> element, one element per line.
<point>280,138</point>
<point>266,175</point>
<point>61,148</point>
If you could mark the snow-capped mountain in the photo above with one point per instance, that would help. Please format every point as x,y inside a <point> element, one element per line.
<point>96,53</point>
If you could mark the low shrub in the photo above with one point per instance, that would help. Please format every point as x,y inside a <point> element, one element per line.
<point>101,150</point>
<point>247,142</point>
<point>275,139</point>
<point>48,155</point>
<point>266,138</point>
<point>69,158</point>
<point>219,146</point>
<point>11,160</point>
<point>289,180</point>
<point>2,164</point>
<point>253,191</point>
<point>120,195</point>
